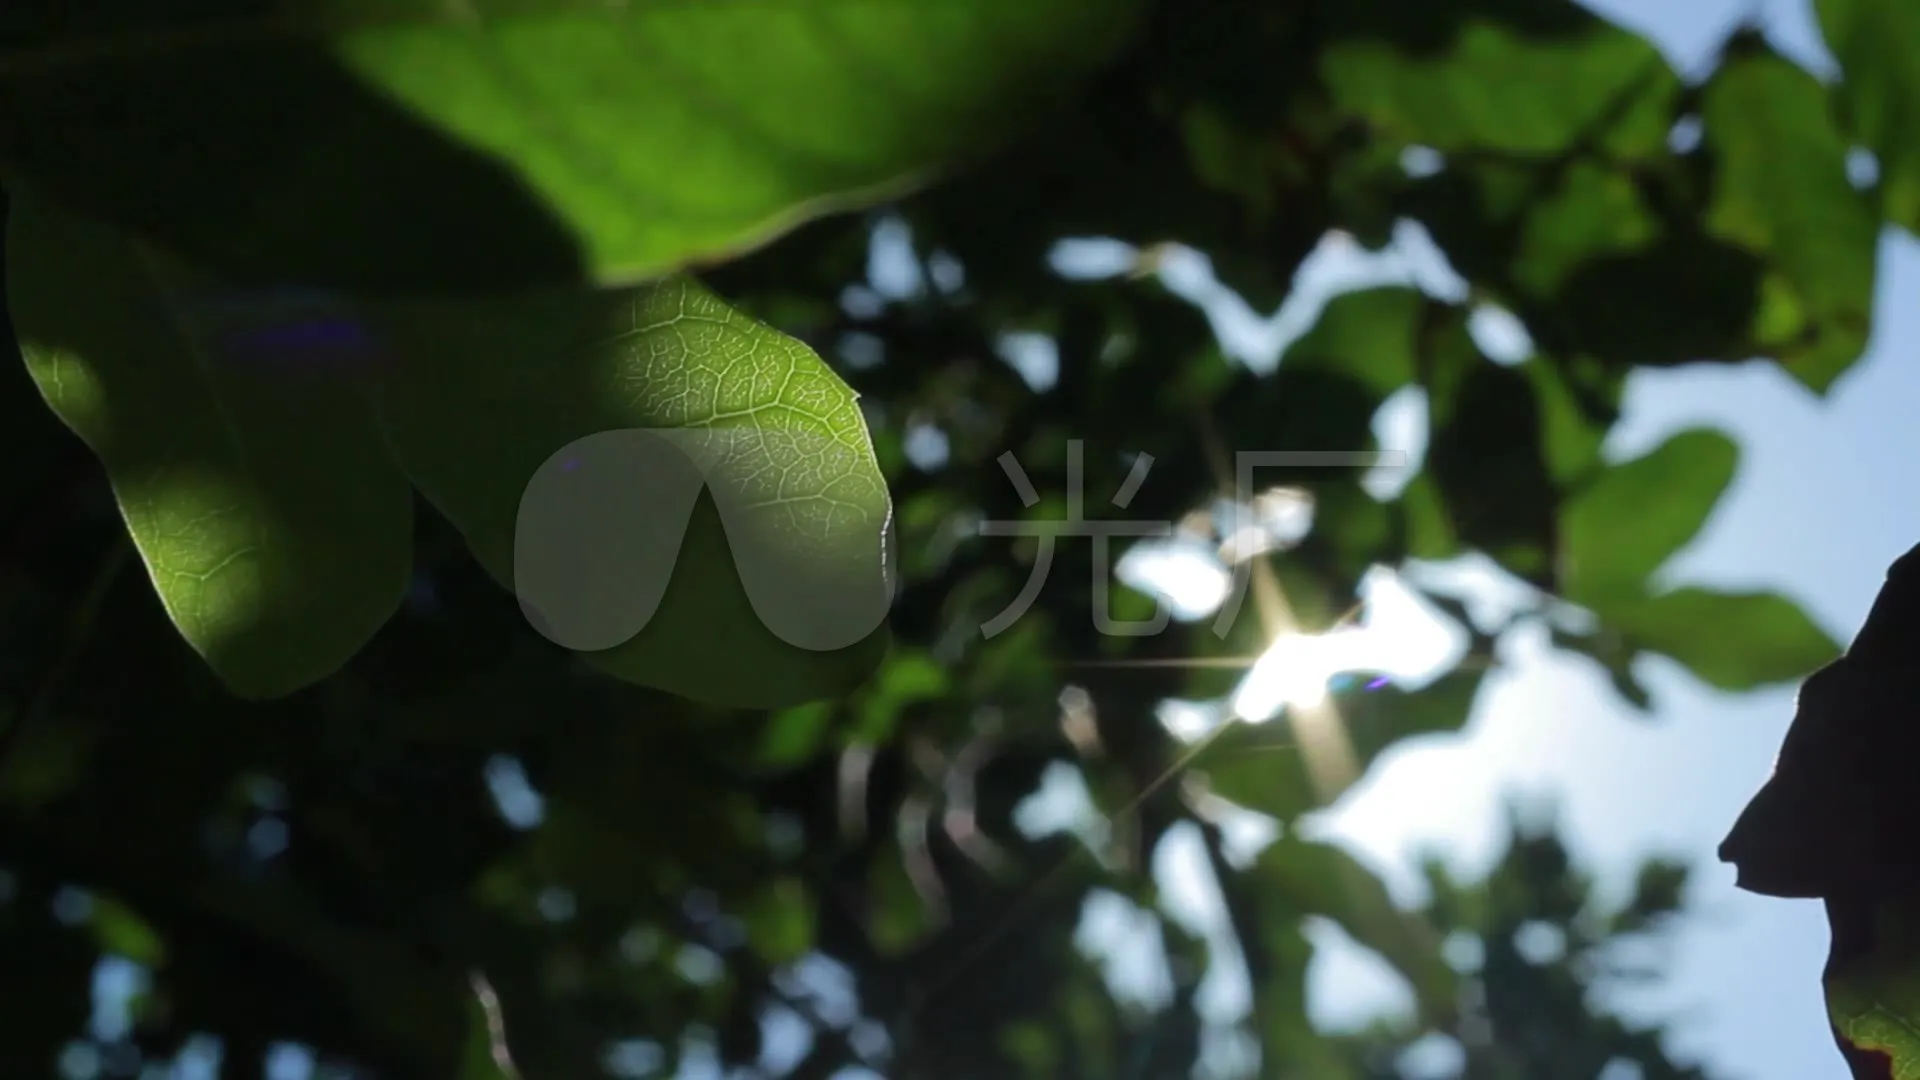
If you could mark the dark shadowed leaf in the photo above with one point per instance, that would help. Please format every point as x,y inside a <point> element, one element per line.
<point>1781,190</point>
<point>1487,455</point>
<point>1496,75</point>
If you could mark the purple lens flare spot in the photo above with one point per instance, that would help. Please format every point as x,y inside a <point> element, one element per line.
<point>1378,683</point>
<point>330,344</point>
<point>318,334</point>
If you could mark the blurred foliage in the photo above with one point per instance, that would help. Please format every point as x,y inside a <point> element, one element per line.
<point>381,817</point>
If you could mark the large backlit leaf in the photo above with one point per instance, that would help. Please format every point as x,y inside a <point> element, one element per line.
<point>415,145</point>
<point>1632,517</point>
<point>738,556</point>
<point>249,471</point>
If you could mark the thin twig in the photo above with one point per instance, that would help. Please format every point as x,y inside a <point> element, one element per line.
<point>496,1025</point>
<point>79,629</point>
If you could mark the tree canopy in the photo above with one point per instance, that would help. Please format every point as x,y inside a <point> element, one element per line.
<point>374,680</point>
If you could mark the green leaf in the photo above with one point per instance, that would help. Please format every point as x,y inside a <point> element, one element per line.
<point>779,920</point>
<point>737,555</point>
<point>899,918</point>
<point>121,931</point>
<point>1376,719</point>
<point>1494,75</point>
<point>1877,43</point>
<point>272,521</point>
<point>1429,527</point>
<point>1622,526</point>
<point>791,736</point>
<point>1579,402</point>
<point>1731,641</point>
<point>907,678</point>
<point>1781,189</point>
<point>1259,767</point>
<point>1368,334</point>
<point>1323,879</point>
<point>1873,999</point>
<point>517,143</point>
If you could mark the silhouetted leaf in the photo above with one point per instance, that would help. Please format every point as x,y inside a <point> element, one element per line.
<point>1831,819</point>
